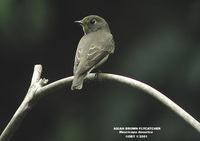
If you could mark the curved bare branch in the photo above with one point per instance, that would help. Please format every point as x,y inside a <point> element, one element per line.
<point>37,91</point>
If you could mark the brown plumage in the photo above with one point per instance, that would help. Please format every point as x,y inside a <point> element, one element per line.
<point>93,48</point>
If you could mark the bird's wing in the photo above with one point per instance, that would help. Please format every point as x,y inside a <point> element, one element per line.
<point>96,52</point>
<point>77,58</point>
<point>99,51</point>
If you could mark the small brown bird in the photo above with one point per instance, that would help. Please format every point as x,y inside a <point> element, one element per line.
<point>93,48</point>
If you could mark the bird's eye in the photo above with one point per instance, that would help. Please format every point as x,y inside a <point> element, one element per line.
<point>93,21</point>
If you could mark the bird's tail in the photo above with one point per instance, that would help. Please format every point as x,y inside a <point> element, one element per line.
<point>77,83</point>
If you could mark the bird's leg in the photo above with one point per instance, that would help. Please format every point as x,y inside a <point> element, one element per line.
<point>98,71</point>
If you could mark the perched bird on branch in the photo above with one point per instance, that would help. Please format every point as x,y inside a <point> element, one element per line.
<point>93,48</point>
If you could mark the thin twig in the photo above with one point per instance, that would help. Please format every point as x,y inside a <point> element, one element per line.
<point>37,91</point>
<point>156,94</point>
<point>29,101</point>
<point>129,81</point>
<point>36,74</point>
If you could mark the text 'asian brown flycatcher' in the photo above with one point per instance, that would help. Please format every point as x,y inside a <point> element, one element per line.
<point>93,48</point>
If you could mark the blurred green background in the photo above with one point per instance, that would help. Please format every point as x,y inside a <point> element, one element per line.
<point>157,42</point>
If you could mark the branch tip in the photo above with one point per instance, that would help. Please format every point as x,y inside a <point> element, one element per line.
<point>43,81</point>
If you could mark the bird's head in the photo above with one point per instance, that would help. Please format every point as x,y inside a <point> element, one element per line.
<point>93,23</point>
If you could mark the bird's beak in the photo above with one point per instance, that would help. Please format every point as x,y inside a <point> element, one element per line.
<point>79,22</point>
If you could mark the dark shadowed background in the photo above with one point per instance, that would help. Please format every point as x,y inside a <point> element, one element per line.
<point>157,42</point>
